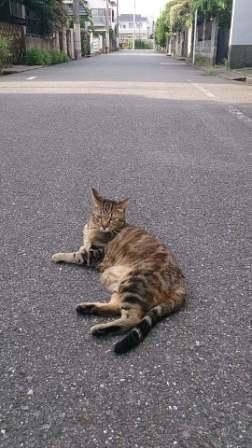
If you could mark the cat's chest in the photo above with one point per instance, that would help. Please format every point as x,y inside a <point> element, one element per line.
<point>94,238</point>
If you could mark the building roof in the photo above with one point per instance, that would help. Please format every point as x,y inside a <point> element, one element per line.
<point>130,18</point>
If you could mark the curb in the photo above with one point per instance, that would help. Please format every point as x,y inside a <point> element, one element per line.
<point>236,76</point>
<point>229,75</point>
<point>13,70</point>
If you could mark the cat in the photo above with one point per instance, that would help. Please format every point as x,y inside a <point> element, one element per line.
<point>141,273</point>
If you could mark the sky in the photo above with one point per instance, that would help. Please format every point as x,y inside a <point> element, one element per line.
<point>145,7</point>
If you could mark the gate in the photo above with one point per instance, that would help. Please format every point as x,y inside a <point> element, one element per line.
<point>222,46</point>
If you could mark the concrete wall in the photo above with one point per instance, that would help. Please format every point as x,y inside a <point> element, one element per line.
<point>15,34</point>
<point>240,43</point>
<point>180,44</point>
<point>38,42</point>
<point>207,49</point>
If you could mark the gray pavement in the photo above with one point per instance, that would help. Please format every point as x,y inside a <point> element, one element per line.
<point>177,143</point>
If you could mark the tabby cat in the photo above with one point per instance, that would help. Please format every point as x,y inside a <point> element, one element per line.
<point>140,272</point>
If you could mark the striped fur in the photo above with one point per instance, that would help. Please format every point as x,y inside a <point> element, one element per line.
<point>144,279</point>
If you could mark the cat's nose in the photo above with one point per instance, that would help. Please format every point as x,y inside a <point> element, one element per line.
<point>104,229</point>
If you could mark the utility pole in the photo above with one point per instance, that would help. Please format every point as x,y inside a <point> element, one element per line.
<point>134,25</point>
<point>77,34</point>
<point>117,22</point>
<point>107,43</point>
<point>195,35</point>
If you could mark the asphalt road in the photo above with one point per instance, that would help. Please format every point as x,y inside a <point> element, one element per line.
<point>177,143</point>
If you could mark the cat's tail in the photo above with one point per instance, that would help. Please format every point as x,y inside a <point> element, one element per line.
<point>141,330</point>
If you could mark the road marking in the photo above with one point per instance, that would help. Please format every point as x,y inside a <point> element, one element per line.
<point>31,77</point>
<point>239,114</point>
<point>172,63</point>
<point>229,108</point>
<point>202,89</point>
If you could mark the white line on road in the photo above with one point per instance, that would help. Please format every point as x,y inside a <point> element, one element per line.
<point>202,89</point>
<point>238,114</point>
<point>31,77</point>
<point>172,63</point>
<point>229,108</point>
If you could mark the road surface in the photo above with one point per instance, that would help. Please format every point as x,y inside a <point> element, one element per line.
<point>177,142</point>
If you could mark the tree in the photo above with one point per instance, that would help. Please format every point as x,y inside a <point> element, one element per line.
<point>212,6</point>
<point>179,14</point>
<point>162,30</point>
<point>221,9</point>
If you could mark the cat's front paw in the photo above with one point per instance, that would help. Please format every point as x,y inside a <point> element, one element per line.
<point>86,308</point>
<point>58,258</point>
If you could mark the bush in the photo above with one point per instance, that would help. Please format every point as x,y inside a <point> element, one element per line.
<point>34,56</point>
<point>143,44</point>
<point>4,52</point>
<point>58,56</point>
<point>44,57</point>
<point>47,58</point>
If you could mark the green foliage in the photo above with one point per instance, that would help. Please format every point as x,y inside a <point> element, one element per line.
<point>177,16</point>
<point>213,7</point>
<point>143,45</point>
<point>57,57</point>
<point>4,52</point>
<point>35,56</point>
<point>162,29</point>
<point>222,9</point>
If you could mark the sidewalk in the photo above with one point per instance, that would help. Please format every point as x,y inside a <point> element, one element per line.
<point>242,75</point>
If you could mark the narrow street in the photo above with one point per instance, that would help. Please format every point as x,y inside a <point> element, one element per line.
<point>176,141</point>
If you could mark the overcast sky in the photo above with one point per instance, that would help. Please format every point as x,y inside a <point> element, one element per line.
<point>144,7</point>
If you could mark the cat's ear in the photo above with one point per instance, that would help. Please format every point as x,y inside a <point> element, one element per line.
<point>97,199</point>
<point>123,204</point>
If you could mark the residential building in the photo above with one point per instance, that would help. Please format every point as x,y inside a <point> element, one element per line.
<point>240,43</point>
<point>143,28</point>
<point>103,26</point>
<point>24,29</point>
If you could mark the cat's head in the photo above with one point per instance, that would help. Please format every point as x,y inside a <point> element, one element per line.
<point>107,215</point>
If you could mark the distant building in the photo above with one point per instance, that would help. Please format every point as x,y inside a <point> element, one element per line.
<point>143,28</point>
<point>104,17</point>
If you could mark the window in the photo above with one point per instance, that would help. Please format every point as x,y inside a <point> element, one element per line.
<point>98,12</point>
<point>16,9</point>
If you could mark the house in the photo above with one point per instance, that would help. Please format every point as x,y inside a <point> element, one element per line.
<point>24,29</point>
<point>104,33</point>
<point>101,24</point>
<point>143,28</point>
<point>240,43</point>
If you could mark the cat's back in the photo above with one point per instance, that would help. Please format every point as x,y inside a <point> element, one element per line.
<point>134,245</point>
